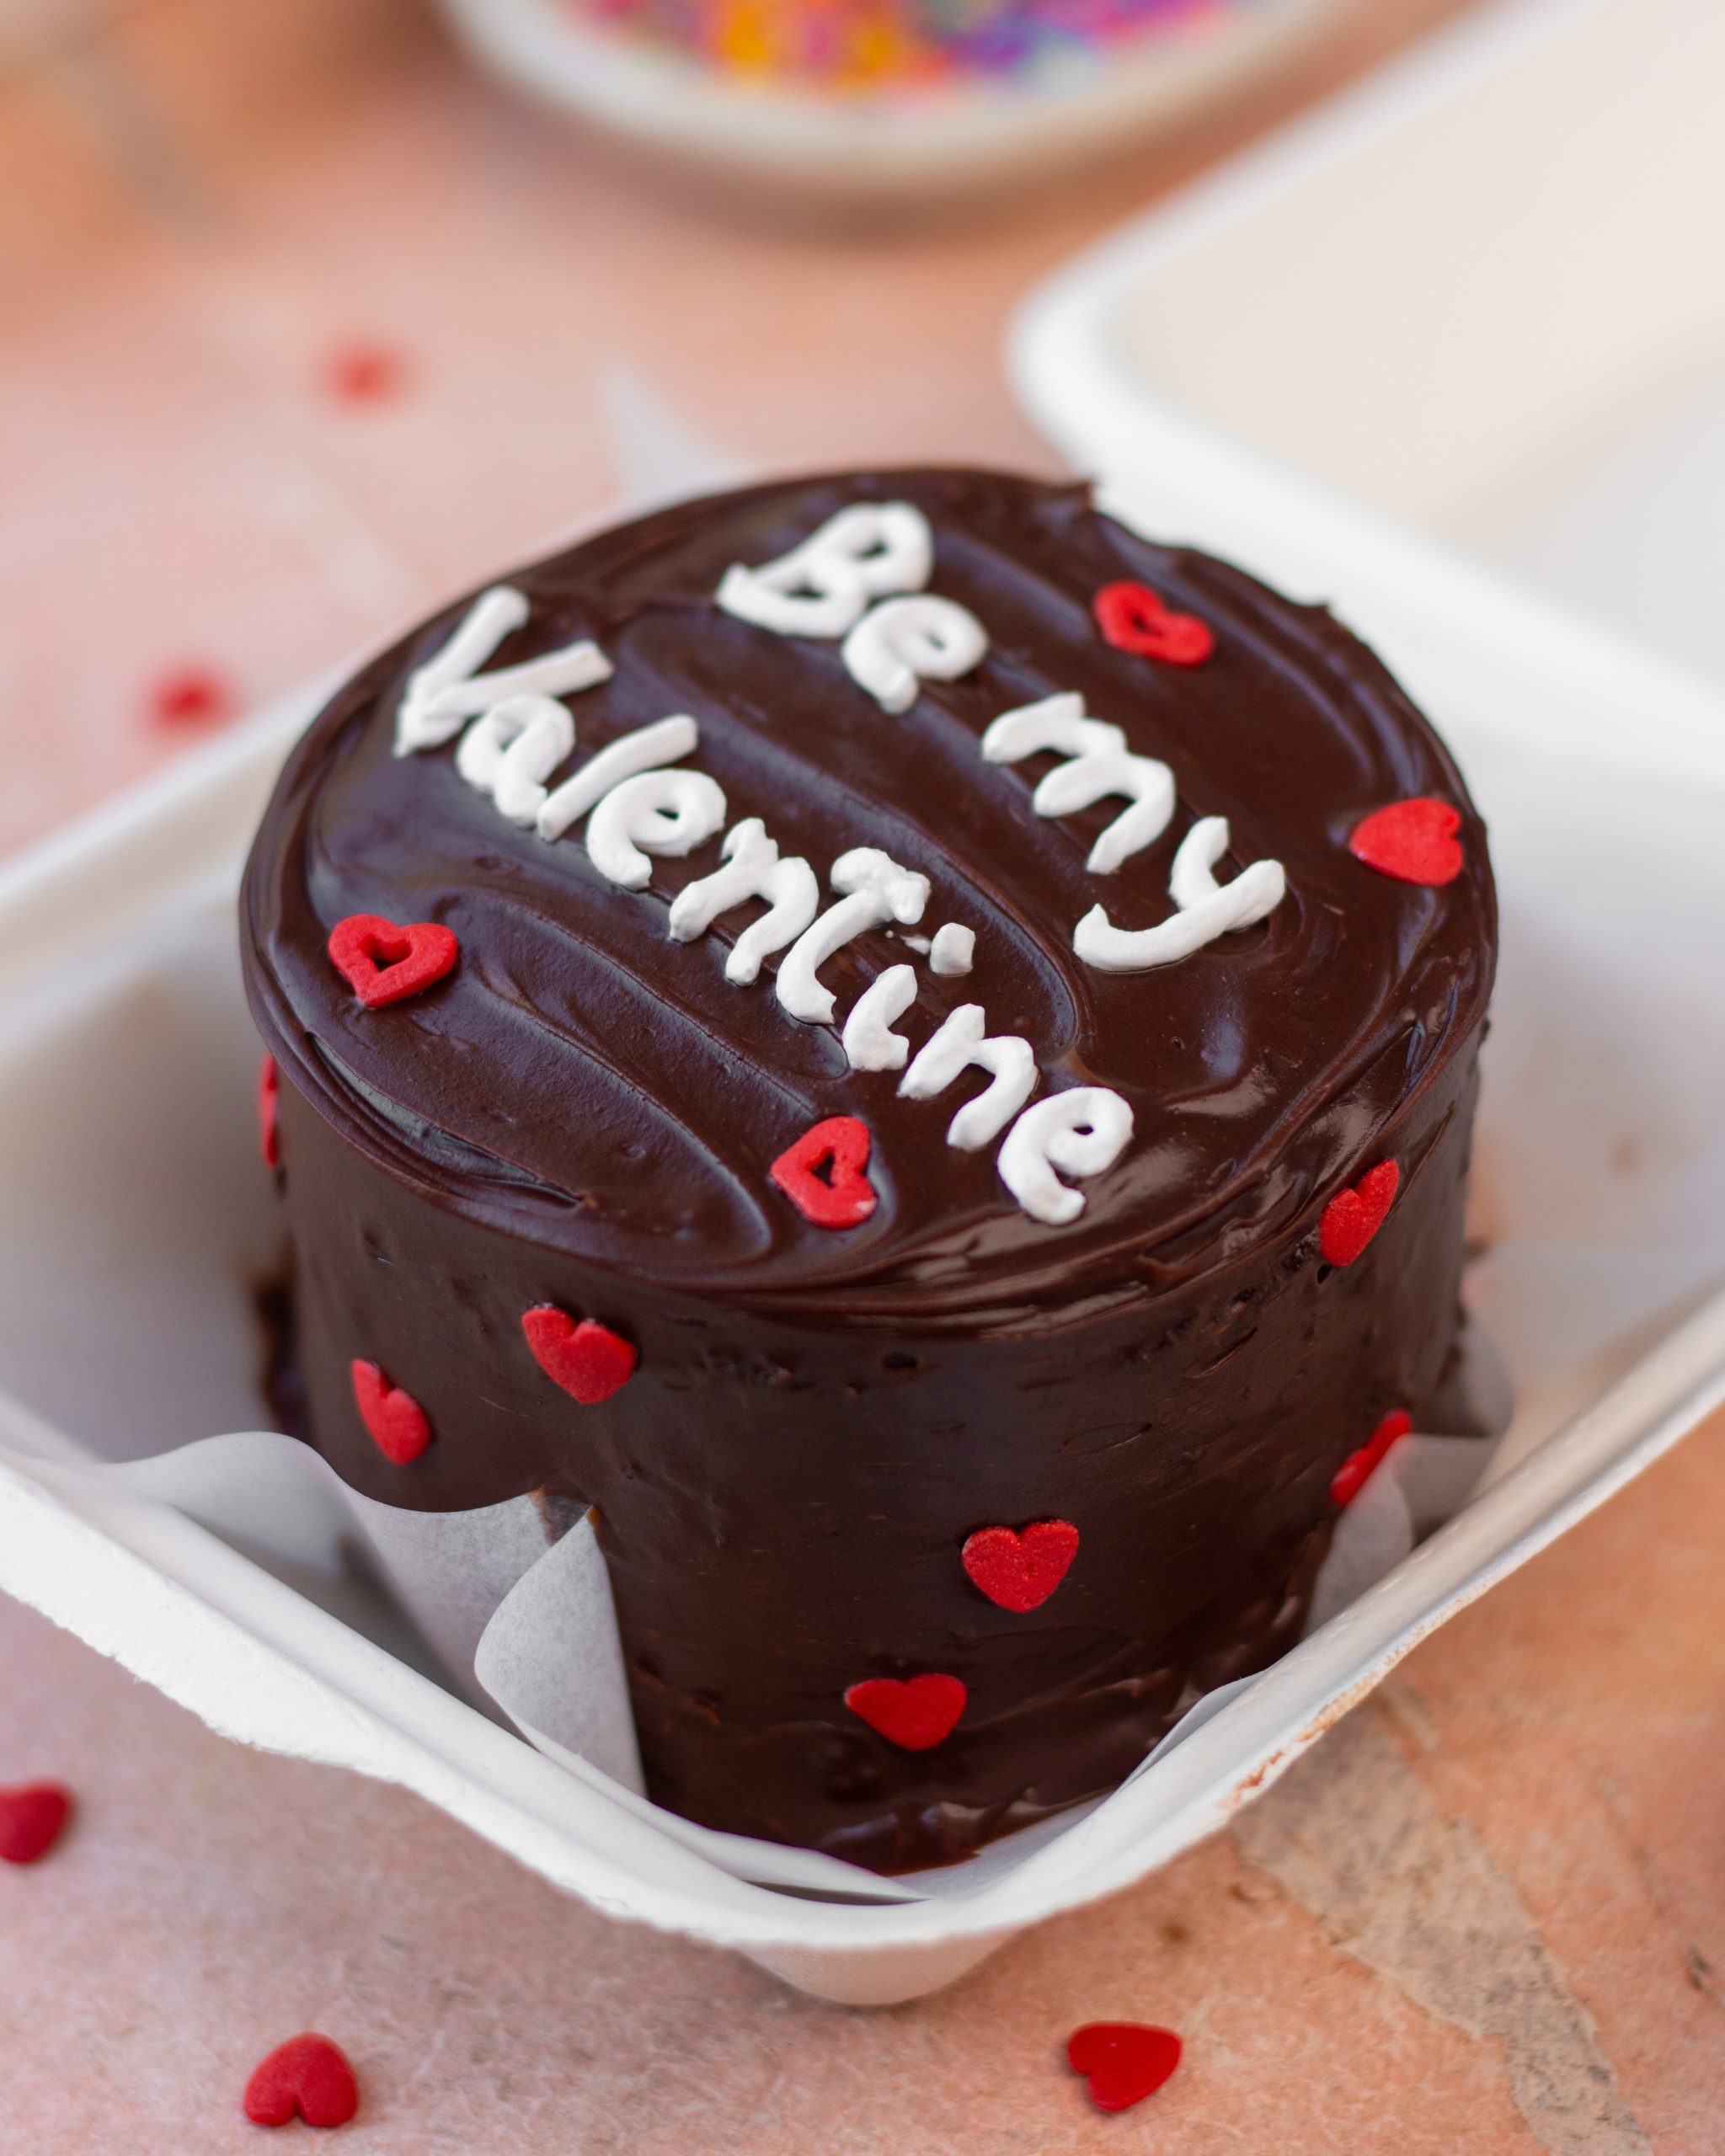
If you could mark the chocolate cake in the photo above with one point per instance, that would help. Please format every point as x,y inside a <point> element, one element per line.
<point>915,1051</point>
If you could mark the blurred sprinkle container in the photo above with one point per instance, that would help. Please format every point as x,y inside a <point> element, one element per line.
<point>839,103</point>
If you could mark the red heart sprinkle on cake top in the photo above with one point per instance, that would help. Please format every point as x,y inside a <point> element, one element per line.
<point>1020,1572</point>
<point>307,2074</point>
<point>841,1198</point>
<point>268,1102</point>
<point>1413,840</point>
<point>1353,1217</point>
<point>384,961</point>
<point>1125,2061</point>
<point>395,1419</point>
<point>1355,1471</point>
<point>587,1359</point>
<point>915,1713</point>
<point>32,1818</point>
<point>1132,617</point>
<point>365,374</point>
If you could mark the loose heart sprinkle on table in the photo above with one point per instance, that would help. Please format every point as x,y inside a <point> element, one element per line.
<point>189,696</point>
<point>1132,617</point>
<point>1020,1572</point>
<point>1353,1217</point>
<point>309,2075</point>
<point>1125,2061</point>
<point>398,1424</point>
<point>587,1359</point>
<point>33,1817</point>
<point>822,1174</point>
<point>384,961</point>
<point>915,1713</point>
<point>1413,840</point>
<point>268,1108</point>
<point>1355,1471</point>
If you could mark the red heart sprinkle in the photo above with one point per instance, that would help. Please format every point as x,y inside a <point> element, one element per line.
<point>190,696</point>
<point>1021,1571</point>
<point>1355,1471</point>
<point>384,961</point>
<point>269,1101</point>
<point>844,1196</point>
<point>1126,2060</point>
<point>588,1360</point>
<point>916,1713</point>
<point>1132,617</point>
<point>1414,841</point>
<point>1353,1217</point>
<point>32,1817</point>
<point>395,1419</point>
<point>365,374</point>
<point>307,2074</point>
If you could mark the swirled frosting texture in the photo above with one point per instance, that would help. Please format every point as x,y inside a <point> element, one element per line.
<point>584,1082</point>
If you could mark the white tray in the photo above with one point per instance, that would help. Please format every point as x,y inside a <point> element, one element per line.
<point>126,1065</point>
<point>1485,290</point>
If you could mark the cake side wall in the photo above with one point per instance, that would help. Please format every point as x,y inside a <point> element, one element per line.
<point>783,1509</point>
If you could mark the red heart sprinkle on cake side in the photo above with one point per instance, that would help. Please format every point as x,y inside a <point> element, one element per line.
<point>843,1196</point>
<point>587,1359</point>
<point>1125,2061</point>
<point>268,1104</point>
<point>1132,617</point>
<point>1355,1471</point>
<point>384,963</point>
<point>396,1421</point>
<point>1353,1217</point>
<point>1020,1572</point>
<point>915,1713</point>
<point>1413,840</point>
<point>307,2074</point>
<point>33,1817</point>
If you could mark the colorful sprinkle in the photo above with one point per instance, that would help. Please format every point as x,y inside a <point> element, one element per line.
<point>1125,2061</point>
<point>309,2075</point>
<point>1132,617</point>
<point>587,1359</point>
<point>396,1422</point>
<point>1020,1572</point>
<point>915,1713</point>
<point>384,963</point>
<point>1413,840</point>
<point>1353,1217</point>
<point>822,1174</point>
<point>1355,1471</point>
<point>33,1817</point>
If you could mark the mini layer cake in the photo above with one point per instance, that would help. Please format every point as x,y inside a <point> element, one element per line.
<point>915,1051</point>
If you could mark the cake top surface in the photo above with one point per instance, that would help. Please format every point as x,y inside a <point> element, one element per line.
<point>581,1077</point>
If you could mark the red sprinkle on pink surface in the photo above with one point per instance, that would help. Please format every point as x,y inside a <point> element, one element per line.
<point>33,1817</point>
<point>1125,2061</point>
<point>191,697</point>
<point>309,2075</point>
<point>365,374</point>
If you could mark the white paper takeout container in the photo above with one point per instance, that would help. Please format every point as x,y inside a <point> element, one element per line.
<point>136,1218</point>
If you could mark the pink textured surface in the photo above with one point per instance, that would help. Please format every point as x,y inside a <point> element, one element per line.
<point>1489,1913</point>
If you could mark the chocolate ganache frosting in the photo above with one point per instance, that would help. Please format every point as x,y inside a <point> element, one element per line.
<point>935,1480</point>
